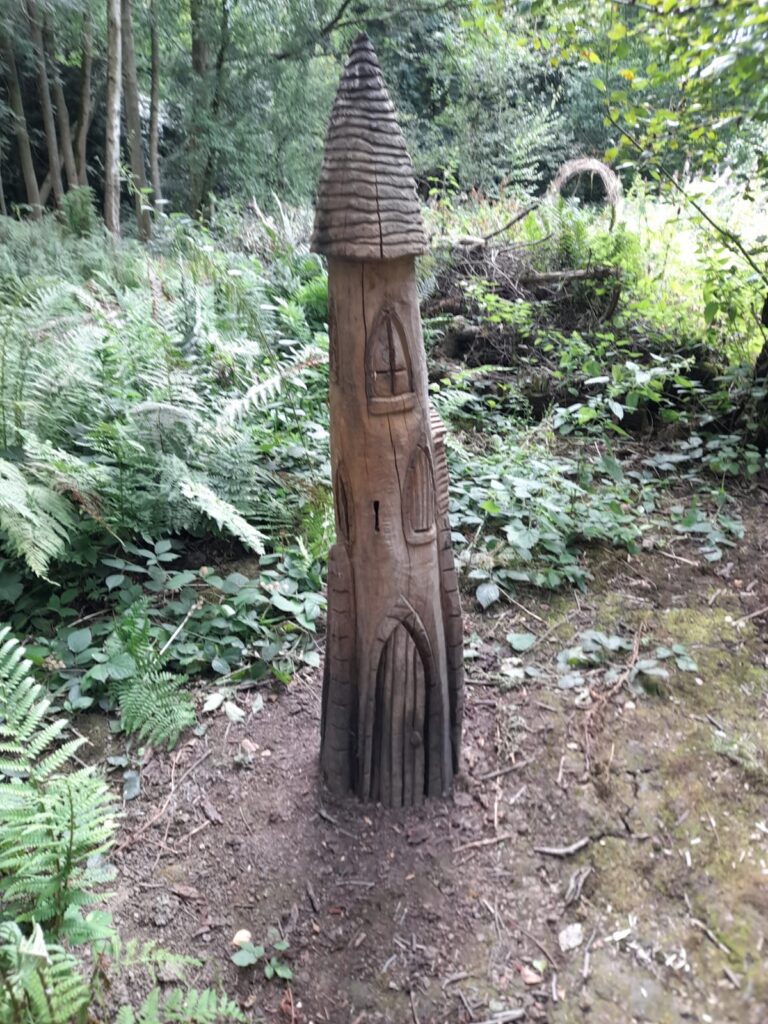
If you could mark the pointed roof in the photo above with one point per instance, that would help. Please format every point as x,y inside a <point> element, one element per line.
<point>366,205</point>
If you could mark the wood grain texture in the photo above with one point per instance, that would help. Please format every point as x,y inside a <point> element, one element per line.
<point>393,682</point>
<point>393,699</point>
<point>366,205</point>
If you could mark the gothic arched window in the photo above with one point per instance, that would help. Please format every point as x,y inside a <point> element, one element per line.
<point>343,502</point>
<point>388,374</point>
<point>419,498</point>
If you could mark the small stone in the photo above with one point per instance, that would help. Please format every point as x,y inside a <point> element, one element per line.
<point>571,937</point>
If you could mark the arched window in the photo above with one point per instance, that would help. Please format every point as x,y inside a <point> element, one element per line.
<point>343,502</point>
<point>419,498</point>
<point>388,375</point>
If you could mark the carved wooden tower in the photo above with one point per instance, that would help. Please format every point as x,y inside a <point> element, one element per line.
<point>393,686</point>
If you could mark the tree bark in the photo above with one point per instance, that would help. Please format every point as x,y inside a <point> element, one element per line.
<point>112,147</point>
<point>198,153</point>
<point>46,107</point>
<point>391,710</point>
<point>154,109</point>
<point>208,181</point>
<point>84,114</point>
<point>62,113</point>
<point>16,104</point>
<point>133,125</point>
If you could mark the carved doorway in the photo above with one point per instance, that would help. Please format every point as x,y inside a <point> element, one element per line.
<point>400,743</point>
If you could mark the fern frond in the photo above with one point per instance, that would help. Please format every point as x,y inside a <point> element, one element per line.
<point>263,390</point>
<point>185,1007</point>
<point>40,983</point>
<point>35,522</point>
<point>223,514</point>
<point>52,825</point>
<point>155,708</point>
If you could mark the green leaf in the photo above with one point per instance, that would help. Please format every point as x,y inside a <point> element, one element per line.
<point>521,641</point>
<point>247,955</point>
<point>487,594</point>
<point>79,640</point>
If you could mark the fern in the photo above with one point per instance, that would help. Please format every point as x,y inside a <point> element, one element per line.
<point>35,521</point>
<point>39,983</point>
<point>152,702</point>
<point>53,826</point>
<point>186,1007</point>
<point>201,497</point>
<point>263,390</point>
<point>155,708</point>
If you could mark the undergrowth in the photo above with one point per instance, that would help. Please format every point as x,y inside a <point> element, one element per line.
<point>165,501</point>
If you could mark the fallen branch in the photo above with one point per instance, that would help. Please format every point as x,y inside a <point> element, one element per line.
<point>520,215</point>
<point>490,841</point>
<point>564,851</point>
<point>505,1017</point>
<point>504,771</point>
<point>553,276</point>
<point>753,615</point>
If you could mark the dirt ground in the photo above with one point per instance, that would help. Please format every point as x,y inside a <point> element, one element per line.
<point>604,857</point>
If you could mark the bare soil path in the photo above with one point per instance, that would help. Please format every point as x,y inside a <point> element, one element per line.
<point>603,859</point>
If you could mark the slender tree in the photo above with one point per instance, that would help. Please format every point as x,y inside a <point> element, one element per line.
<point>112,146</point>
<point>62,113</point>
<point>84,112</point>
<point>133,124</point>
<point>154,108</point>
<point>225,34</point>
<point>46,107</point>
<point>197,146</point>
<point>16,103</point>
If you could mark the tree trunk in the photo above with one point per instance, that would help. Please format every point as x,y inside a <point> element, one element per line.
<point>62,113</point>
<point>133,125</point>
<point>84,114</point>
<point>209,175</point>
<point>197,147</point>
<point>3,207</point>
<point>46,107</point>
<point>154,110</point>
<point>112,147</point>
<point>16,104</point>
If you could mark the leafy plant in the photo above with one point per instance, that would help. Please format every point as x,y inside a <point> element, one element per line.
<point>54,825</point>
<point>247,954</point>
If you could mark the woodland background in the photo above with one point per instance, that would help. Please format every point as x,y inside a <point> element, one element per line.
<point>165,504</point>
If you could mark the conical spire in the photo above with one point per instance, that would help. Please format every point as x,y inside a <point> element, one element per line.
<point>366,205</point>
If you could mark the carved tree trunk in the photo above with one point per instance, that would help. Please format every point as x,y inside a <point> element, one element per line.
<point>393,687</point>
<point>112,147</point>
<point>16,103</point>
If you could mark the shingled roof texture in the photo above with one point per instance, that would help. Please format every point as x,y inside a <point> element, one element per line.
<point>366,206</point>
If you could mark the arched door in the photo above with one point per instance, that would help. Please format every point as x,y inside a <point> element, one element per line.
<point>400,747</point>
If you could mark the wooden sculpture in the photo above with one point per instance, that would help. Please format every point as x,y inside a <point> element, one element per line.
<point>393,685</point>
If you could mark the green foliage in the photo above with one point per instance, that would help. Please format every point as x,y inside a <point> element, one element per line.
<point>188,1006</point>
<point>54,825</point>
<point>39,981</point>
<point>247,954</point>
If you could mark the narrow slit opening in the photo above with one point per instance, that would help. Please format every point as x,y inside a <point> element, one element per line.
<point>376,516</point>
